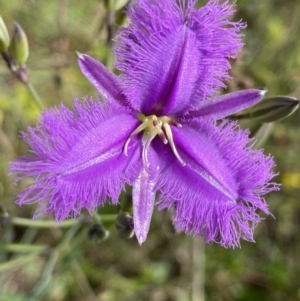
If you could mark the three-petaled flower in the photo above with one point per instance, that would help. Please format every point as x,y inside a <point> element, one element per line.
<point>157,130</point>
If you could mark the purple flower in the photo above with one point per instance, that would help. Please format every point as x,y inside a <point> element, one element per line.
<point>157,130</point>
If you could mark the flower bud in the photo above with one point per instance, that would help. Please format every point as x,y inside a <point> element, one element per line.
<point>273,109</point>
<point>19,45</point>
<point>124,225</point>
<point>4,36</point>
<point>98,233</point>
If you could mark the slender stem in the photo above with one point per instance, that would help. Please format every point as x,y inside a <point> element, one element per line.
<point>24,248</point>
<point>104,218</point>
<point>108,217</point>
<point>27,239</point>
<point>19,221</point>
<point>198,270</point>
<point>35,95</point>
<point>24,222</point>
<point>46,278</point>
<point>110,22</point>
<point>97,217</point>
<point>16,263</point>
<point>82,282</point>
<point>21,73</point>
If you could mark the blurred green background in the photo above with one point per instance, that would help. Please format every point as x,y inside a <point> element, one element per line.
<point>63,263</point>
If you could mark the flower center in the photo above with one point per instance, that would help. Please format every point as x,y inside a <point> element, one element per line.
<point>153,126</point>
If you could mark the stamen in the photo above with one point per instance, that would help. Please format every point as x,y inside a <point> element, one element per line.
<point>139,129</point>
<point>171,141</point>
<point>163,137</point>
<point>150,137</point>
<point>175,123</point>
<point>153,126</point>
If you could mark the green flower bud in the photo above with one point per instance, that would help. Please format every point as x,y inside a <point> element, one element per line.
<point>273,109</point>
<point>124,225</point>
<point>98,233</point>
<point>19,45</point>
<point>4,36</point>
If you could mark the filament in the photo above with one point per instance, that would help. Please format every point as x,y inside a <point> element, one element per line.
<point>150,137</point>
<point>139,129</point>
<point>172,144</point>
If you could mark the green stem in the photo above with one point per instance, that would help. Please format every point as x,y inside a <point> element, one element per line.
<point>21,74</point>
<point>96,217</point>
<point>46,278</point>
<point>24,222</point>
<point>198,269</point>
<point>16,263</point>
<point>23,248</point>
<point>35,95</point>
<point>107,217</point>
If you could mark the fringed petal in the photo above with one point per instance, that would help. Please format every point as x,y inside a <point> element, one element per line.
<point>216,195</point>
<point>78,159</point>
<point>106,82</point>
<point>174,56</point>
<point>226,105</point>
